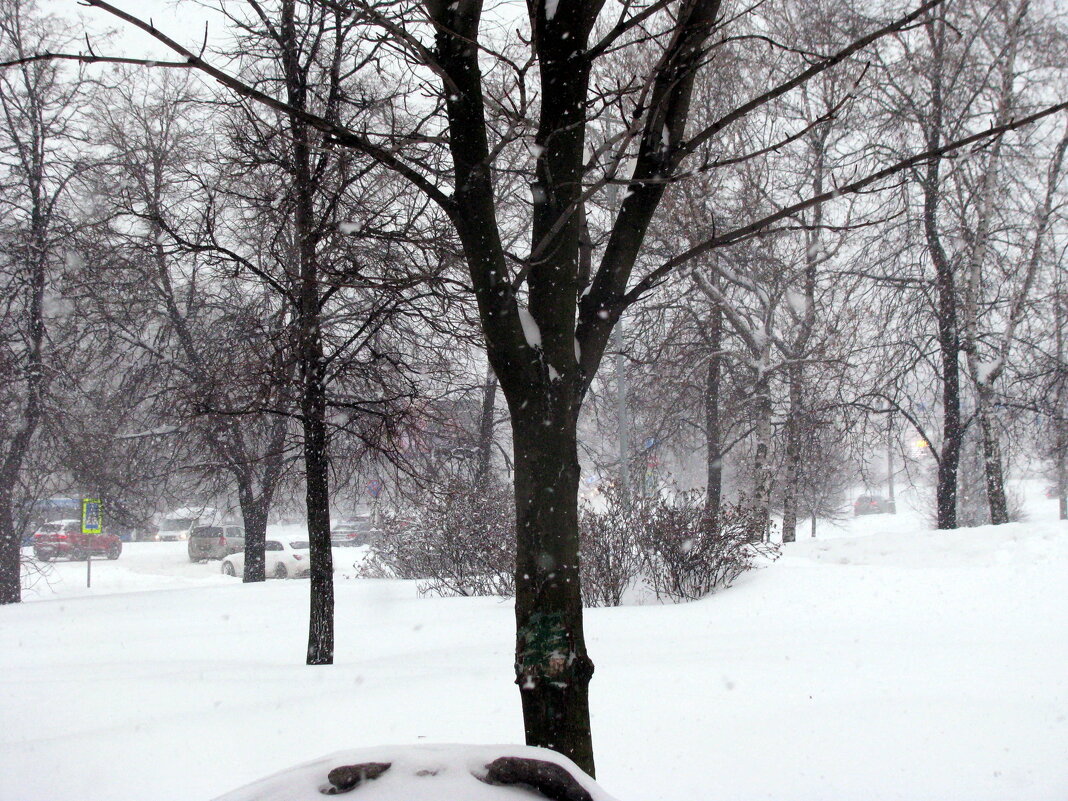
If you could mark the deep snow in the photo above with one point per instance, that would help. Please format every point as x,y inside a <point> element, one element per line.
<point>881,661</point>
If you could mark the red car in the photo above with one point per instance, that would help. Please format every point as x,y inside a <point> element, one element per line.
<point>872,505</point>
<point>64,538</point>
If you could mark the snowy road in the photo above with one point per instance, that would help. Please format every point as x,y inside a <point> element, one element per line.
<point>885,663</point>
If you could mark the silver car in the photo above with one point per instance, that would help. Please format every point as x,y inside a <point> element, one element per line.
<point>215,542</point>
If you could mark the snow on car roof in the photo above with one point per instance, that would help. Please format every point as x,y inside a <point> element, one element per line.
<point>425,772</point>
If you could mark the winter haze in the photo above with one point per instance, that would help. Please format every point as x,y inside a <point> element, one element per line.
<point>423,400</point>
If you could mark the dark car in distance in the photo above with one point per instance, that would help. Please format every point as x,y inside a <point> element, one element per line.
<point>352,531</point>
<point>872,505</point>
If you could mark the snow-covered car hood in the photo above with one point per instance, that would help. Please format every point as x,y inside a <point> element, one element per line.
<point>416,773</point>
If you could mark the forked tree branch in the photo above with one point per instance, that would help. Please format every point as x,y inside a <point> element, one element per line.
<point>803,77</point>
<point>340,133</point>
<point>754,228</point>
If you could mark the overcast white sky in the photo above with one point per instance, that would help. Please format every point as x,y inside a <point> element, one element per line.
<point>183,20</point>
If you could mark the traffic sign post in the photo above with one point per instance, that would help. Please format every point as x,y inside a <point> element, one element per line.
<point>92,516</point>
<point>92,523</point>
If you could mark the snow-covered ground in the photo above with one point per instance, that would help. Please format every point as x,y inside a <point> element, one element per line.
<point>880,661</point>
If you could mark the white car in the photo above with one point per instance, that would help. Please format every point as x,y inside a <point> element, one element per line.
<point>285,558</point>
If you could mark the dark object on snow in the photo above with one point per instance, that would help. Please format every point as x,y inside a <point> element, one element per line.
<point>873,505</point>
<point>548,778</point>
<point>348,777</point>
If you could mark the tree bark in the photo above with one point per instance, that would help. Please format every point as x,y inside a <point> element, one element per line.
<point>552,667</point>
<point>316,467</point>
<point>794,431</point>
<point>35,259</point>
<point>762,469</point>
<point>310,355</point>
<point>1062,479</point>
<point>947,302</point>
<point>10,538</point>
<point>486,425</point>
<point>952,431</point>
<point>995,479</point>
<point>313,418</point>
<point>1061,383</point>
<point>713,425</point>
<point>254,516</point>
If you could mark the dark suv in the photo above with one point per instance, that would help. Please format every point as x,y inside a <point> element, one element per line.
<point>872,505</point>
<point>215,542</point>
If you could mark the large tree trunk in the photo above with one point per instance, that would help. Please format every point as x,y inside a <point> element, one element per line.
<point>794,431</point>
<point>33,369</point>
<point>484,457</point>
<point>1062,478</point>
<point>316,444</point>
<point>1060,452</point>
<point>713,432</point>
<point>254,515</point>
<point>316,465</point>
<point>256,509</point>
<point>313,411</point>
<point>952,431</point>
<point>946,291</point>
<point>995,479</point>
<point>10,550</point>
<point>311,359</point>
<point>553,670</point>
<point>762,457</point>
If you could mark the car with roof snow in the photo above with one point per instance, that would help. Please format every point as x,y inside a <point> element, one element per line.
<point>215,542</point>
<point>64,539</point>
<point>285,557</point>
<point>179,524</point>
<point>872,505</point>
<point>352,531</point>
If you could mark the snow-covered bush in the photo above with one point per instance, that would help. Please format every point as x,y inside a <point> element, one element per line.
<point>688,556</point>
<point>667,543</point>
<point>611,555</point>
<point>458,543</point>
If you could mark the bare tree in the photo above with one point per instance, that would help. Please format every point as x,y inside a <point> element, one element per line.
<point>39,123</point>
<point>547,316</point>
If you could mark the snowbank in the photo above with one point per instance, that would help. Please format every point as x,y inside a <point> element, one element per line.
<point>889,663</point>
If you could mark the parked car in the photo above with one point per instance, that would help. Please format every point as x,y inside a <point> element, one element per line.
<point>179,524</point>
<point>872,505</point>
<point>285,558</point>
<point>352,531</point>
<point>215,542</point>
<point>64,539</point>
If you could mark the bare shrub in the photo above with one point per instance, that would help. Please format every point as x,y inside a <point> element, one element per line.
<point>610,553</point>
<point>669,543</point>
<point>36,575</point>
<point>689,556</point>
<point>458,543</point>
